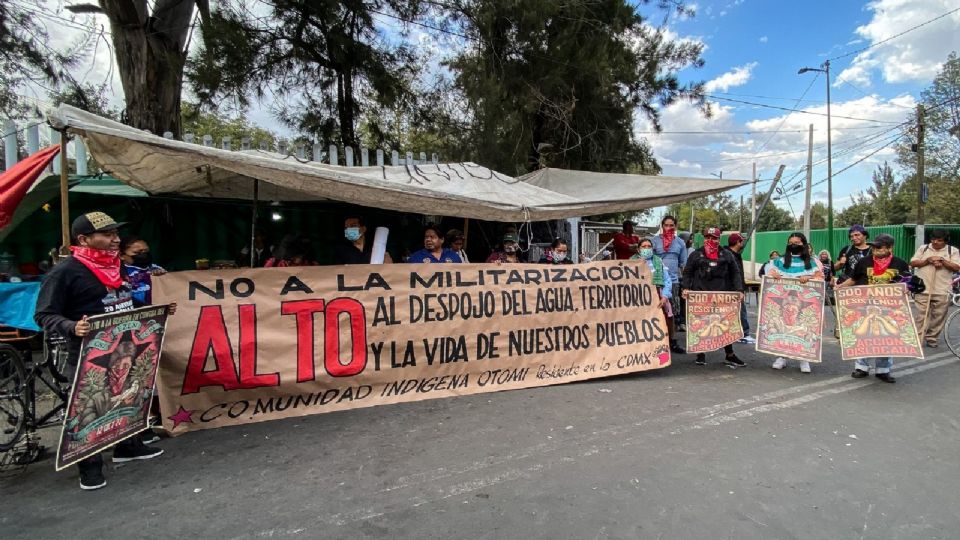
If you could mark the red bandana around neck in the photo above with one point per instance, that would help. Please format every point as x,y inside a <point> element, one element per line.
<point>104,263</point>
<point>711,248</point>
<point>668,236</point>
<point>880,265</point>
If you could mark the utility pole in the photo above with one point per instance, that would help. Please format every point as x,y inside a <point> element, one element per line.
<point>753,219</point>
<point>807,210</point>
<point>920,178</point>
<point>740,215</point>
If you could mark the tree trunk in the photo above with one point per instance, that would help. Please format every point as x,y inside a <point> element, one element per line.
<point>151,53</point>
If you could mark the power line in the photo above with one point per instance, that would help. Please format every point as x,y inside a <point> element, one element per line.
<point>801,112</point>
<point>908,30</point>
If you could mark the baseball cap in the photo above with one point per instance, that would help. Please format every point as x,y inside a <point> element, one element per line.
<point>712,231</point>
<point>510,238</point>
<point>883,240</point>
<point>735,238</point>
<point>93,222</point>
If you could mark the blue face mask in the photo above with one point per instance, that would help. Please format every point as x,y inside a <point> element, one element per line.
<point>352,233</point>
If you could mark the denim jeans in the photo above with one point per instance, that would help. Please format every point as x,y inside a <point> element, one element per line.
<point>743,319</point>
<point>883,364</point>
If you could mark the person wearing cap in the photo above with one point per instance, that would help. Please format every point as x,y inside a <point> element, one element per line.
<point>796,264</point>
<point>510,253</point>
<point>880,267</point>
<point>850,255</point>
<point>710,268</point>
<point>673,252</point>
<point>625,242</point>
<point>735,243</point>
<point>935,264</point>
<point>91,281</point>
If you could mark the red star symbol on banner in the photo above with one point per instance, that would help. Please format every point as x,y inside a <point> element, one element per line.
<point>182,416</point>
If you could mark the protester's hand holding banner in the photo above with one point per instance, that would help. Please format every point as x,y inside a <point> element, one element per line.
<point>713,320</point>
<point>790,321</point>
<point>261,344</point>
<point>113,387</point>
<point>876,320</point>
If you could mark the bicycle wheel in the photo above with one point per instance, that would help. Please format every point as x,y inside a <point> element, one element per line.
<point>12,397</point>
<point>55,356</point>
<point>951,332</point>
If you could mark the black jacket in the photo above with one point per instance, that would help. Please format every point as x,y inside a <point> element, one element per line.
<point>703,274</point>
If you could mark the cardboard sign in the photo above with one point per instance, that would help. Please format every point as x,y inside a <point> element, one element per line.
<point>876,320</point>
<point>713,320</point>
<point>260,344</point>
<point>790,321</point>
<point>111,392</point>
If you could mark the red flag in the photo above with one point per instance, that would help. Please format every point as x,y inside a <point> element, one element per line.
<point>15,182</point>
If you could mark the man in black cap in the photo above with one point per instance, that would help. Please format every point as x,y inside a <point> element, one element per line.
<point>880,267</point>
<point>89,282</point>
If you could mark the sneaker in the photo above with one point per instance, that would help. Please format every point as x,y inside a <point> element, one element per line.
<point>92,479</point>
<point>779,363</point>
<point>701,360</point>
<point>933,344</point>
<point>886,377</point>
<point>677,349</point>
<point>733,362</point>
<point>836,333</point>
<point>149,437</point>
<point>859,374</point>
<point>748,340</point>
<point>123,455</point>
<point>681,327</point>
<point>804,367</point>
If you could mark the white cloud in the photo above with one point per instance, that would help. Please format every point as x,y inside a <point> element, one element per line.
<point>763,39</point>
<point>736,77</point>
<point>913,57</point>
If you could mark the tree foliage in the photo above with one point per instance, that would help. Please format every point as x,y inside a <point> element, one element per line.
<point>562,82</point>
<point>326,53</point>
<point>218,126</point>
<point>722,211</point>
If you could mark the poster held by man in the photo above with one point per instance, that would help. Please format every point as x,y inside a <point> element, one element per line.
<point>113,387</point>
<point>877,320</point>
<point>713,320</point>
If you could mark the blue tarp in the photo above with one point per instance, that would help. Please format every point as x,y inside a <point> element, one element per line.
<point>17,304</point>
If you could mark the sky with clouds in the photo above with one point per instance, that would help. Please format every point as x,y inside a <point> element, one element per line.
<point>761,107</point>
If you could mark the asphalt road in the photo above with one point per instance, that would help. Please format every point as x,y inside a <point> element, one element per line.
<point>684,452</point>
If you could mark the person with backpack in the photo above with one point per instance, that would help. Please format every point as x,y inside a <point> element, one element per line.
<point>710,268</point>
<point>935,264</point>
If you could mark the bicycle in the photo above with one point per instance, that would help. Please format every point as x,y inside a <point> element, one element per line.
<point>955,290</point>
<point>19,393</point>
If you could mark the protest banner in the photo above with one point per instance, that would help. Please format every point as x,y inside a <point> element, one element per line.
<point>790,320</point>
<point>261,344</point>
<point>876,320</point>
<point>113,387</point>
<point>713,320</point>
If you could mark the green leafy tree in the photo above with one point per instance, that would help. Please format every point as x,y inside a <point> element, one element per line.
<point>218,126</point>
<point>327,53</point>
<point>561,82</point>
<point>942,125</point>
<point>886,201</point>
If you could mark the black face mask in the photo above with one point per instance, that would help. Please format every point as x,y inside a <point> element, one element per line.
<point>142,260</point>
<point>795,250</point>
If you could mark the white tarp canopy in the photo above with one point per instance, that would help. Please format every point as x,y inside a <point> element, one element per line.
<point>157,165</point>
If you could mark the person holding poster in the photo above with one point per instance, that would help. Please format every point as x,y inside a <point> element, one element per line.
<point>89,282</point>
<point>880,267</point>
<point>673,252</point>
<point>433,250</point>
<point>354,248</point>
<point>797,263</point>
<point>935,264</point>
<point>712,269</point>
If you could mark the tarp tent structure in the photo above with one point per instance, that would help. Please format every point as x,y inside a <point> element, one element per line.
<point>158,165</point>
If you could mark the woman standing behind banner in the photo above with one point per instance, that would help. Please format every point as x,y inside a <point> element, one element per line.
<point>558,254</point>
<point>661,276</point>
<point>796,264</point>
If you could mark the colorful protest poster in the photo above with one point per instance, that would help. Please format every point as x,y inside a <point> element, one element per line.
<point>790,320</point>
<point>111,392</point>
<point>252,345</point>
<point>713,320</point>
<point>876,320</point>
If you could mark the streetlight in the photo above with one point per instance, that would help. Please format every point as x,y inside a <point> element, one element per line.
<point>826,69</point>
